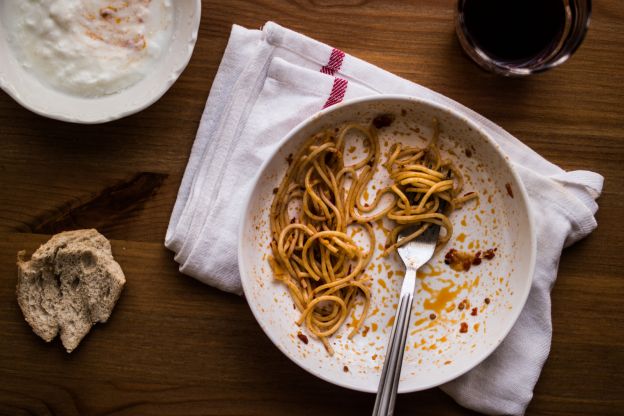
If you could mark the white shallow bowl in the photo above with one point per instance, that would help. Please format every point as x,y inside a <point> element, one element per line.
<point>42,99</point>
<point>436,350</point>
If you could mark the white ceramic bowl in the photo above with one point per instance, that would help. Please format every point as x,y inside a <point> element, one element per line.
<point>436,350</point>
<point>38,97</point>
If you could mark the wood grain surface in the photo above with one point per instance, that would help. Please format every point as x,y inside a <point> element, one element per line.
<point>175,346</point>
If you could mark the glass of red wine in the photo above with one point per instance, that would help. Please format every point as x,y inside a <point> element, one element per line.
<point>521,37</point>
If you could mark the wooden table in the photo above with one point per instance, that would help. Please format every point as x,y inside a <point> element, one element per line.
<point>175,346</point>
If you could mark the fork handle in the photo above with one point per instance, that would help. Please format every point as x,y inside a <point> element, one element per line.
<point>389,381</point>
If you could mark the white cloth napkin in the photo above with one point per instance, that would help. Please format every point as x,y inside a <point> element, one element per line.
<point>269,81</point>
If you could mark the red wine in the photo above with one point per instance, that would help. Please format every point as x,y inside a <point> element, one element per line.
<point>514,30</point>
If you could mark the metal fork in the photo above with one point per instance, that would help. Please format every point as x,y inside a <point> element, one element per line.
<point>414,255</point>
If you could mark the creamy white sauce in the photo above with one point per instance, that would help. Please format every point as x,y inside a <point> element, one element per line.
<point>88,48</point>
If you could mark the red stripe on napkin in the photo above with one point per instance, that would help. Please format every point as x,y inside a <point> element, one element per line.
<point>334,63</point>
<point>337,93</point>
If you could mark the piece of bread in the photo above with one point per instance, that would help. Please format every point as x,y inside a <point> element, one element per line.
<point>70,283</point>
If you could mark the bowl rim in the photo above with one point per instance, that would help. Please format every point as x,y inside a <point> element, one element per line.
<point>12,91</point>
<point>243,269</point>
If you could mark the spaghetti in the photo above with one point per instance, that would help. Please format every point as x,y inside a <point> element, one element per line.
<point>313,254</point>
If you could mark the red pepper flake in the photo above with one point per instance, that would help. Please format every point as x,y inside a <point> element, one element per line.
<point>432,316</point>
<point>449,256</point>
<point>345,369</point>
<point>461,306</point>
<point>383,120</point>
<point>274,191</point>
<point>289,158</point>
<point>365,332</point>
<point>487,301</point>
<point>463,327</point>
<point>474,311</point>
<point>477,259</point>
<point>489,253</point>
<point>302,337</point>
<point>509,190</point>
